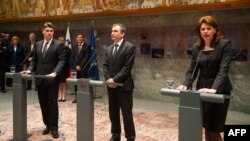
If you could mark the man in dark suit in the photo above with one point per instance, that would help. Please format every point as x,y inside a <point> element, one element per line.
<point>48,59</point>
<point>119,61</point>
<point>3,63</point>
<point>81,58</point>
<point>29,54</point>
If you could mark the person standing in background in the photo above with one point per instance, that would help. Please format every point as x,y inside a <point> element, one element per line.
<point>7,39</point>
<point>48,59</point>
<point>65,72</point>
<point>16,55</point>
<point>118,63</point>
<point>81,58</point>
<point>29,54</point>
<point>211,59</point>
<point>3,63</point>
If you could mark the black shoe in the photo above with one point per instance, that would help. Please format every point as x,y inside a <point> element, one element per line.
<point>54,134</point>
<point>115,138</point>
<point>46,131</point>
<point>74,101</point>
<point>130,139</point>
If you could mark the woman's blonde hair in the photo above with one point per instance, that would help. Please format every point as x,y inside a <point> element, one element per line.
<point>15,38</point>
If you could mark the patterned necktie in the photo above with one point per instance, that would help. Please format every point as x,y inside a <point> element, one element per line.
<point>115,49</point>
<point>45,49</point>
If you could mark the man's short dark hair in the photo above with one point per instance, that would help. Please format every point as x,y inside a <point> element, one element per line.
<point>48,24</point>
<point>122,27</point>
<point>80,34</point>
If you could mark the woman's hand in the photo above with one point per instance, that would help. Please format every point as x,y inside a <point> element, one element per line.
<point>206,90</point>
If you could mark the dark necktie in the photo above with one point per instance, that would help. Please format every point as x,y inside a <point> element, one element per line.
<point>45,49</point>
<point>115,49</point>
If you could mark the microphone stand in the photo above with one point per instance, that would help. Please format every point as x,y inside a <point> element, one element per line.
<point>192,76</point>
<point>94,63</point>
<point>25,59</point>
<point>93,55</point>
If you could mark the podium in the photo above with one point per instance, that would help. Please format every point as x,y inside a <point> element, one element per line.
<point>190,111</point>
<point>85,105</point>
<point>20,103</point>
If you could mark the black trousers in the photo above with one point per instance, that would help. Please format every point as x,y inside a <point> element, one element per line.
<point>47,96</point>
<point>29,84</point>
<point>2,77</point>
<point>9,82</point>
<point>119,99</point>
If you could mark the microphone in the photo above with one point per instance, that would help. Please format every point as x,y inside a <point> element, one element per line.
<point>89,62</point>
<point>25,59</point>
<point>92,64</point>
<point>197,61</point>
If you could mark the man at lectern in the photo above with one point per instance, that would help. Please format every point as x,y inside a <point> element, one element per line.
<point>211,59</point>
<point>118,63</point>
<point>48,59</point>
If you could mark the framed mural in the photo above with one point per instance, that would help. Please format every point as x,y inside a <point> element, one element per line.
<point>14,10</point>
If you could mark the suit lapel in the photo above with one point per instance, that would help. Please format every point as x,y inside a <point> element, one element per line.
<point>110,52</point>
<point>17,50</point>
<point>40,47</point>
<point>79,51</point>
<point>29,47</point>
<point>118,51</point>
<point>49,48</point>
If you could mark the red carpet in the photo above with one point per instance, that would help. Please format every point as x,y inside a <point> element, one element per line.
<point>150,125</point>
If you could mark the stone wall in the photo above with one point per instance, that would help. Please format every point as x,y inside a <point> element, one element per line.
<point>162,43</point>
